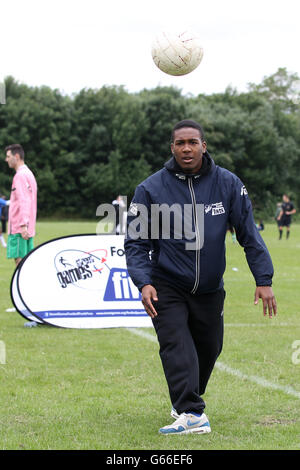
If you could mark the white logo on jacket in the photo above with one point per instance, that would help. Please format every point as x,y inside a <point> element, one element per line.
<point>216,209</point>
<point>133,209</point>
<point>244,191</point>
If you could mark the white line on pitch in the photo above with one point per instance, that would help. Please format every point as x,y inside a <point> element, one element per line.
<point>258,325</point>
<point>258,380</point>
<point>143,334</point>
<point>224,368</point>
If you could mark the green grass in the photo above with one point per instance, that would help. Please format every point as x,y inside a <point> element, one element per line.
<point>105,389</point>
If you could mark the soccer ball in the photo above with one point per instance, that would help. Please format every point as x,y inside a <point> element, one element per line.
<point>177,53</point>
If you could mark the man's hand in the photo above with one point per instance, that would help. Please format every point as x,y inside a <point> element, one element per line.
<point>148,294</point>
<point>24,232</point>
<point>265,293</point>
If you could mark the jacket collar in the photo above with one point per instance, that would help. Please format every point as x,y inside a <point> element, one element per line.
<point>207,165</point>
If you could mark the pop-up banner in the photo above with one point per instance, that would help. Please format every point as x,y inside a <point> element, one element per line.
<point>79,281</point>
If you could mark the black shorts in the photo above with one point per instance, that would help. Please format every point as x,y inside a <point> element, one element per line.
<point>285,221</point>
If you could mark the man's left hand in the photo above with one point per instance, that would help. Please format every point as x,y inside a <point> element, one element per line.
<point>265,293</point>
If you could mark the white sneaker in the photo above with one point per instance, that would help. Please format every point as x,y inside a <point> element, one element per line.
<point>188,423</point>
<point>174,413</point>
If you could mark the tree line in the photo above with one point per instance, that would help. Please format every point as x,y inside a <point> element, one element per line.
<point>87,148</point>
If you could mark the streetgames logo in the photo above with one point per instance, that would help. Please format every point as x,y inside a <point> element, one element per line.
<point>90,271</point>
<point>81,269</point>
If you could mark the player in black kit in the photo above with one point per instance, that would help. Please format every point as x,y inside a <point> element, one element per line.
<point>285,216</point>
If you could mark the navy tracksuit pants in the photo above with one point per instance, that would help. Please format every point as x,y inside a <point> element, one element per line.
<point>190,334</point>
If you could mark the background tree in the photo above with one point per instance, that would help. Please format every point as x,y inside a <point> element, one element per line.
<point>87,148</point>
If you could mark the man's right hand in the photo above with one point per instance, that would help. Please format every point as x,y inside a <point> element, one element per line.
<point>24,232</point>
<point>148,294</point>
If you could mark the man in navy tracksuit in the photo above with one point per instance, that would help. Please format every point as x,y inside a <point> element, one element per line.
<point>175,253</point>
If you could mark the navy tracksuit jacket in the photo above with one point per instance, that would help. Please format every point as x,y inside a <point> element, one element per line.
<point>224,200</point>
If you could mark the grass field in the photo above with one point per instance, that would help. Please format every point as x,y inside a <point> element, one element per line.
<point>105,389</point>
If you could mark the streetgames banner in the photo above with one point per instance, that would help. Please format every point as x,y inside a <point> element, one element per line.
<point>80,281</point>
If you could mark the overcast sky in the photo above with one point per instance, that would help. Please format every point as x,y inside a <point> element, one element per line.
<point>76,44</point>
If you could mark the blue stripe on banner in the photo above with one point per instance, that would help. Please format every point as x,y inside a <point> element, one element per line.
<point>90,313</point>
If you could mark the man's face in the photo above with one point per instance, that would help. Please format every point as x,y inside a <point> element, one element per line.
<point>11,159</point>
<point>188,149</point>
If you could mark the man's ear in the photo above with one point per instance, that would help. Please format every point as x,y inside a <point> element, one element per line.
<point>172,148</point>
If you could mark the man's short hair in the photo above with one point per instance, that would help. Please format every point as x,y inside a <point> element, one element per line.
<point>187,123</point>
<point>16,148</point>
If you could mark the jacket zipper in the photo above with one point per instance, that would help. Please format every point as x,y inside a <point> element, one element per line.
<point>195,219</point>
